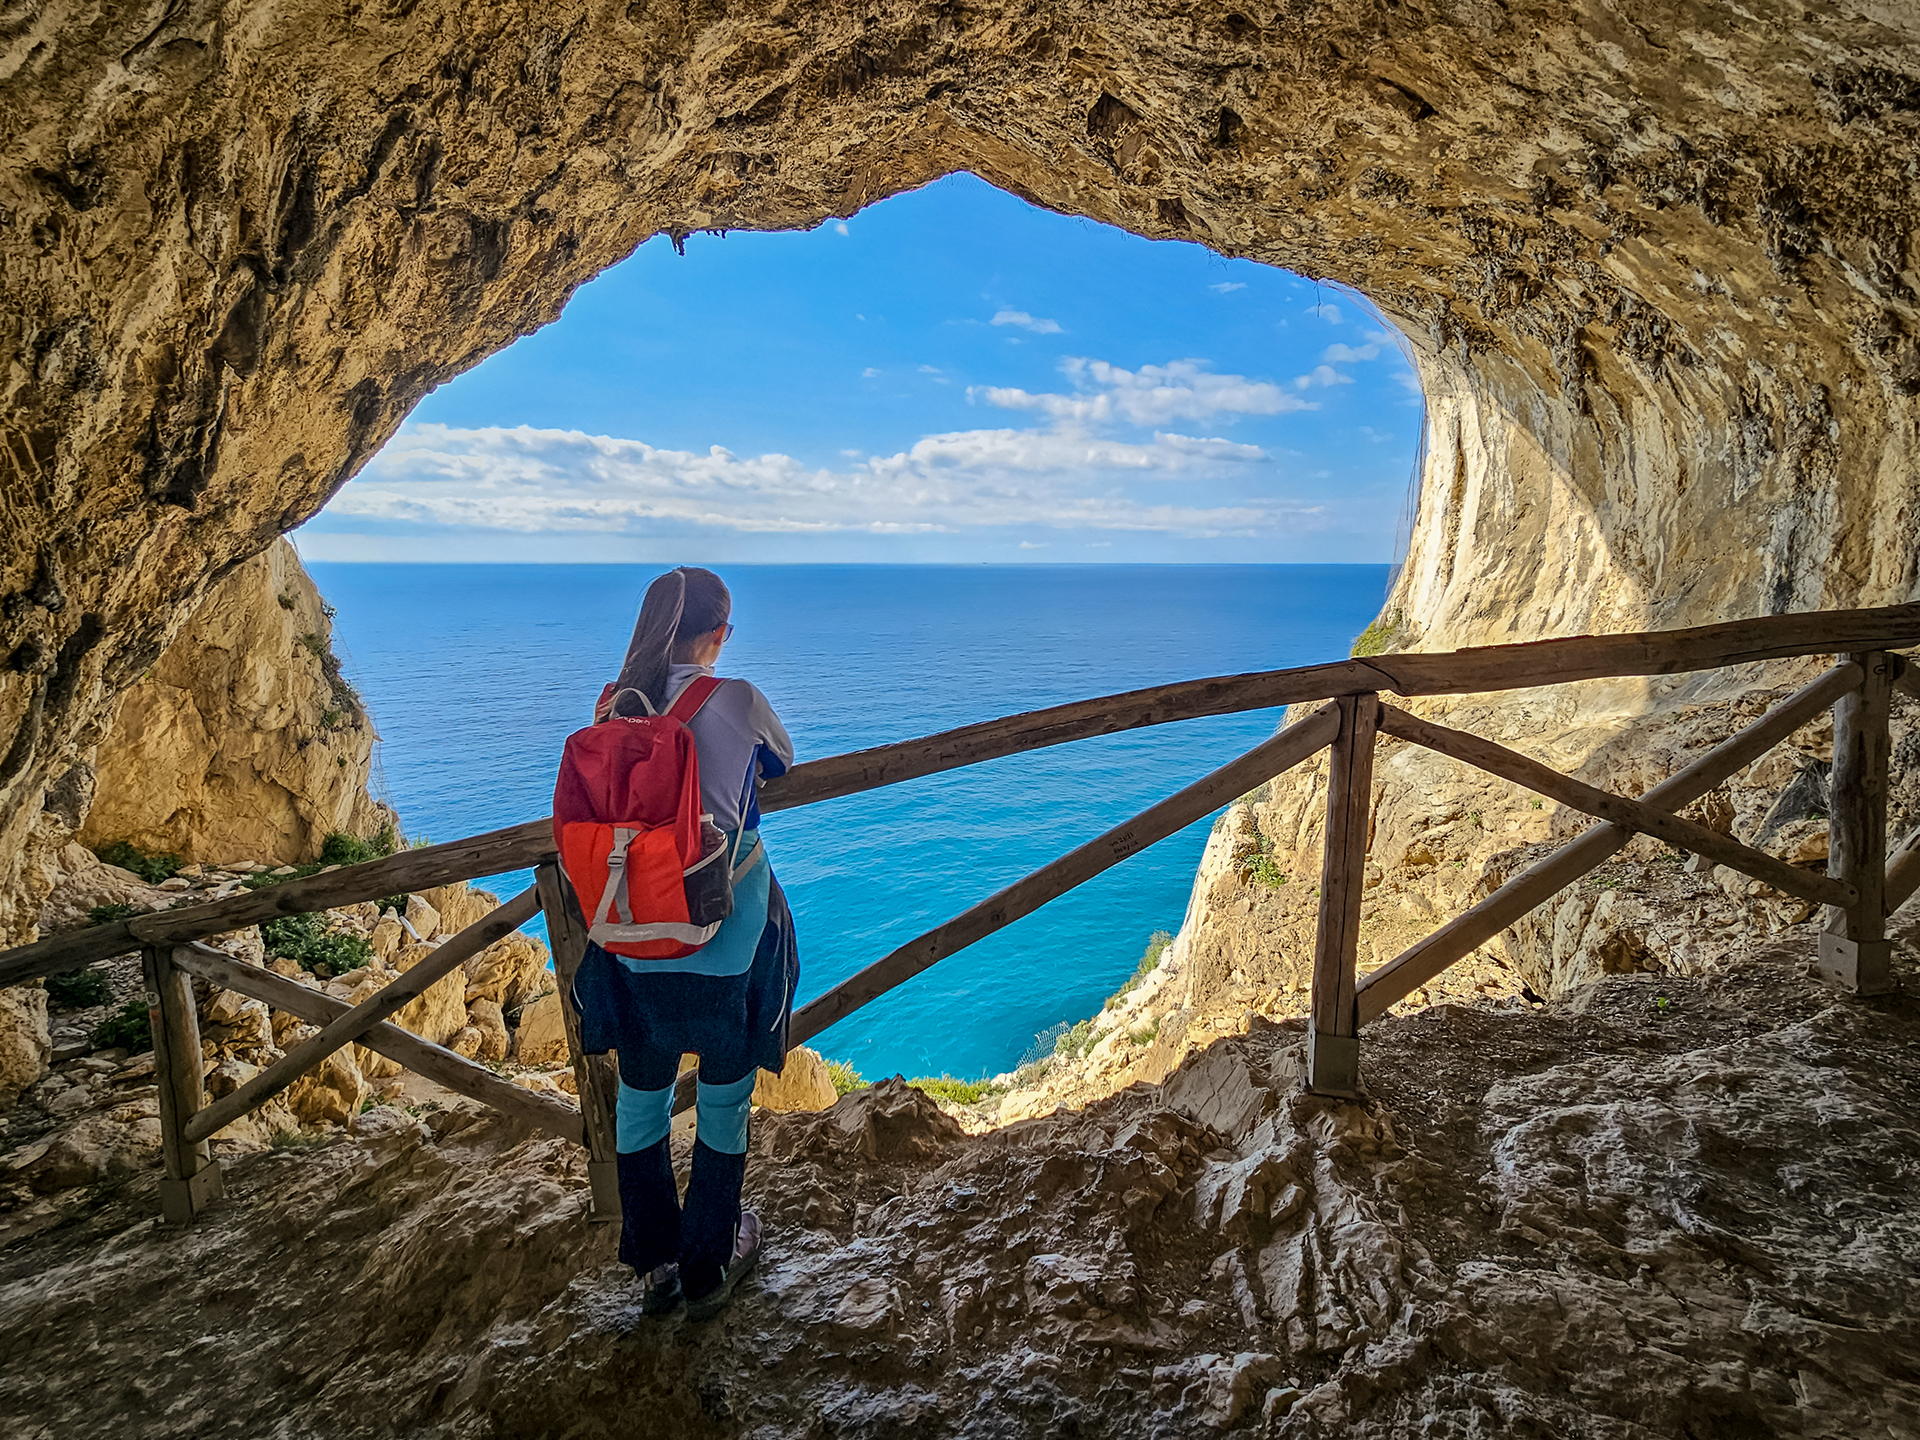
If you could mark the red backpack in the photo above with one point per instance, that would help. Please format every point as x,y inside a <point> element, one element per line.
<point>650,869</point>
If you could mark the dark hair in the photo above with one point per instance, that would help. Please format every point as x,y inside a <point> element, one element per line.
<point>682,605</point>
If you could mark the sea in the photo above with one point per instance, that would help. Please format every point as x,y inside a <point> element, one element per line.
<point>476,674</point>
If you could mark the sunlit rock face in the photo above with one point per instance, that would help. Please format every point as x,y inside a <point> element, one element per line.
<point>1655,262</point>
<point>244,740</point>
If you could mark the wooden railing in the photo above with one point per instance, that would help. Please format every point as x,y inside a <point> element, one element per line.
<point>1859,889</point>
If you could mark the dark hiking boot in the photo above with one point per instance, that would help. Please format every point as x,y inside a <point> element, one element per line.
<point>746,1254</point>
<point>660,1290</point>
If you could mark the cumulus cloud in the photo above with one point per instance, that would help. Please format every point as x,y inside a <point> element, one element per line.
<point>1026,322</point>
<point>532,480</point>
<point>1151,395</point>
<point>1327,311</point>
<point>1227,287</point>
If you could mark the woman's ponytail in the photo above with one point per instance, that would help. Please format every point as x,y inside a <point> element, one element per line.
<point>651,649</point>
<point>680,606</point>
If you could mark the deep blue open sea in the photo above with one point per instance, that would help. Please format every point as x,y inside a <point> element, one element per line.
<point>475,674</point>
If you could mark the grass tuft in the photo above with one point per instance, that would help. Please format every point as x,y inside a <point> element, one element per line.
<point>1378,637</point>
<point>845,1078</point>
<point>960,1092</point>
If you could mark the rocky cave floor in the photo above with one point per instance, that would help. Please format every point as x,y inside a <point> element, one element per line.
<point>1664,1207</point>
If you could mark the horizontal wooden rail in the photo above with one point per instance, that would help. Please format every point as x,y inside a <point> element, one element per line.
<point>1456,672</point>
<point>1466,932</point>
<point>1498,760</point>
<point>450,956</point>
<point>1292,745</point>
<point>1452,672</point>
<point>493,853</point>
<point>436,1062</point>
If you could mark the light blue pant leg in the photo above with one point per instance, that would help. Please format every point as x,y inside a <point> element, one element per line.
<point>722,1114</point>
<point>642,1117</point>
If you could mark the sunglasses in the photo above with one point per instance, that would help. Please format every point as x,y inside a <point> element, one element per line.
<point>726,629</point>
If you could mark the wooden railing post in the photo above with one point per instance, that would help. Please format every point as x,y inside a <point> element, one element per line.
<point>193,1175</point>
<point>1333,1036</point>
<point>596,1077</point>
<point>1854,950</point>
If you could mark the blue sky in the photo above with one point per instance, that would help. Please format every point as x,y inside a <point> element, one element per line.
<point>950,376</point>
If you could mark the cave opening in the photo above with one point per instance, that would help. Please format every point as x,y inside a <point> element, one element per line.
<point>981,430</point>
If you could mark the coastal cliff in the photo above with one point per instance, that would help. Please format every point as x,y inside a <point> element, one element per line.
<point>244,740</point>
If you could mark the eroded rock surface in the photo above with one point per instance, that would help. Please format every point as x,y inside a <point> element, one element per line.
<point>1611,1218</point>
<point>244,739</point>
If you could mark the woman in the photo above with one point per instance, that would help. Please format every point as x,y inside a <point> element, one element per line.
<point>728,1002</point>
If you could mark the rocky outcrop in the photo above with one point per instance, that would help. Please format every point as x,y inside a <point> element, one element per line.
<point>1613,1217</point>
<point>244,740</point>
<point>1654,265</point>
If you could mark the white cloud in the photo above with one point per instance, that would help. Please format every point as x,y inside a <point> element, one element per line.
<point>1227,287</point>
<point>529,480</point>
<point>840,227</point>
<point>1327,311</point>
<point>1348,354</point>
<point>1151,395</point>
<point>1322,375</point>
<point>1026,322</point>
<point>1033,545</point>
<point>868,373</point>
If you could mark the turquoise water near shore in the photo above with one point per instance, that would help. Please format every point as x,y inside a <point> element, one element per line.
<point>475,675</point>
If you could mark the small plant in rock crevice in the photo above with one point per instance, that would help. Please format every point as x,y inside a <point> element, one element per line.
<point>107,914</point>
<point>128,1028</point>
<point>1260,867</point>
<point>79,989</point>
<point>149,867</point>
<point>308,943</point>
<point>845,1078</point>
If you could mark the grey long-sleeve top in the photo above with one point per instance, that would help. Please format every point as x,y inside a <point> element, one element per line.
<point>741,742</point>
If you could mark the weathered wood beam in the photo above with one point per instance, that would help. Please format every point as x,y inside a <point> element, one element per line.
<point>1854,950</point>
<point>1903,873</point>
<point>1049,882</point>
<point>595,1077</point>
<point>448,957</point>
<point>1453,672</point>
<point>1539,882</point>
<point>1497,759</point>
<point>437,1063</point>
<point>1333,1037</point>
<point>192,1174</point>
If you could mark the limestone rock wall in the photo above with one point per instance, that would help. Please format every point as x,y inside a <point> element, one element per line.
<point>243,741</point>
<point>1656,263</point>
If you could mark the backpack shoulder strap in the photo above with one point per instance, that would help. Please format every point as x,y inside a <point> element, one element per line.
<point>687,703</point>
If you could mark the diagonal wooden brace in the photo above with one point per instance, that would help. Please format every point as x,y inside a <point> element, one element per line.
<point>1460,936</point>
<point>449,957</point>
<point>405,1048</point>
<point>1664,825</point>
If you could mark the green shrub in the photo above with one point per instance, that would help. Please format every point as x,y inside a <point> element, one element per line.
<point>960,1092</point>
<point>1145,1034</point>
<point>128,1028</point>
<point>845,1078</point>
<point>1031,1072</point>
<point>1077,1041</point>
<point>107,914</point>
<point>1263,869</point>
<point>78,989</point>
<point>1380,635</point>
<point>150,868</point>
<point>338,848</point>
<point>306,941</point>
